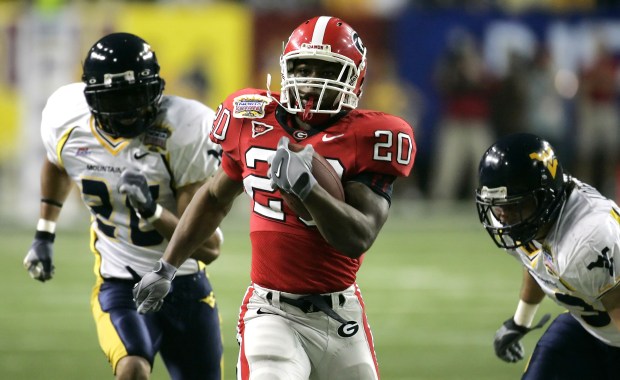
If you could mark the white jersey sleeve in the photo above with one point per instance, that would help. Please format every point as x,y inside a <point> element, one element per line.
<point>193,156</point>
<point>63,109</point>
<point>597,256</point>
<point>578,262</point>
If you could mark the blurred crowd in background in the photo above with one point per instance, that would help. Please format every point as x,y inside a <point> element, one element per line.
<point>461,72</point>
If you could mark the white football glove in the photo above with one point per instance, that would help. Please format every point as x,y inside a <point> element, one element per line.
<point>149,293</point>
<point>292,171</point>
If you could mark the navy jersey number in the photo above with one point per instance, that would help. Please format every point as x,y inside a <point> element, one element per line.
<point>104,209</point>
<point>594,318</point>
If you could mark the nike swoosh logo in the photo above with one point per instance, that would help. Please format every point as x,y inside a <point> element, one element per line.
<point>260,311</point>
<point>330,138</point>
<point>278,169</point>
<point>138,156</point>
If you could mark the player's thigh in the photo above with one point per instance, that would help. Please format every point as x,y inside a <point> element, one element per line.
<point>565,351</point>
<point>192,343</point>
<point>353,360</point>
<point>121,330</point>
<point>351,354</point>
<point>270,348</point>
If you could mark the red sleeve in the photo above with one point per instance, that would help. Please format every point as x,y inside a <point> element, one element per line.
<point>389,142</point>
<point>226,129</point>
<point>227,126</point>
<point>232,168</point>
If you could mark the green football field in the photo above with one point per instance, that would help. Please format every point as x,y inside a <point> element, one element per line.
<point>435,288</point>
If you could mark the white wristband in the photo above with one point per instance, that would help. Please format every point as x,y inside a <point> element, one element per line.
<point>158,211</point>
<point>46,226</point>
<point>524,316</point>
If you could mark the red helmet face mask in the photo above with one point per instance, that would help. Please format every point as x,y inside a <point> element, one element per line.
<point>326,39</point>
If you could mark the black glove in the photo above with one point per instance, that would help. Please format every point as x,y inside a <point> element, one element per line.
<point>507,342</point>
<point>133,184</point>
<point>38,261</point>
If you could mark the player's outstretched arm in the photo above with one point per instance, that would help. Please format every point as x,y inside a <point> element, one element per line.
<point>209,250</point>
<point>55,187</point>
<point>205,212</point>
<point>199,221</point>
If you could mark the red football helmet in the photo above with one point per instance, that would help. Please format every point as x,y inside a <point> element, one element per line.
<point>329,39</point>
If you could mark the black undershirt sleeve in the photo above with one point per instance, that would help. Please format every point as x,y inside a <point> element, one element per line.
<point>381,184</point>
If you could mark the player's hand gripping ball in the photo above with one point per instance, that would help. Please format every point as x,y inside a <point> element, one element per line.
<point>324,175</point>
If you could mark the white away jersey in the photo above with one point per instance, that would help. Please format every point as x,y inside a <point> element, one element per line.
<point>173,153</point>
<point>580,259</point>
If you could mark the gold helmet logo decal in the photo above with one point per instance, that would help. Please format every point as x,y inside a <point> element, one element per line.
<point>548,159</point>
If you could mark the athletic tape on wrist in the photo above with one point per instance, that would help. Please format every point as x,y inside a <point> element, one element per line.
<point>52,202</point>
<point>46,226</point>
<point>157,215</point>
<point>524,316</point>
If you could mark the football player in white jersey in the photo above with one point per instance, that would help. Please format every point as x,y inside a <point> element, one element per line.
<point>137,157</point>
<point>567,237</point>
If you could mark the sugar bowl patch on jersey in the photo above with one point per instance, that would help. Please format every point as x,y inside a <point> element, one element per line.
<point>250,106</point>
<point>155,138</point>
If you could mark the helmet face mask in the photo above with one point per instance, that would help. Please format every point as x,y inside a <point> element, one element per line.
<point>331,41</point>
<point>521,189</point>
<point>325,89</point>
<point>123,87</point>
<point>512,222</point>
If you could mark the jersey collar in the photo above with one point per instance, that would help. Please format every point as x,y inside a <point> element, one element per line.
<point>287,122</point>
<point>111,144</point>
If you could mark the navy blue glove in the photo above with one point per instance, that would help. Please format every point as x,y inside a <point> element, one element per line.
<point>134,185</point>
<point>38,261</point>
<point>507,342</point>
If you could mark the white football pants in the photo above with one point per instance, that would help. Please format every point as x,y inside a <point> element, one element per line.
<point>279,341</point>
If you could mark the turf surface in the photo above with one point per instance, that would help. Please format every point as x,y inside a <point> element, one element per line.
<point>435,288</point>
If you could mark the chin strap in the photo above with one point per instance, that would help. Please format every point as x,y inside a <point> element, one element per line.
<point>307,115</point>
<point>312,119</point>
<point>269,91</point>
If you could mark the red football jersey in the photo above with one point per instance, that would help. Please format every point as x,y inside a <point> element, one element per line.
<point>288,253</point>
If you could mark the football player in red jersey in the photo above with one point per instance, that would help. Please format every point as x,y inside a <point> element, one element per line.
<point>303,314</point>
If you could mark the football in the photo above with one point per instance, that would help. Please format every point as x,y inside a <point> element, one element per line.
<point>325,176</point>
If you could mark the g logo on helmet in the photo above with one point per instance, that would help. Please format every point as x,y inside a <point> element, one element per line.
<point>357,41</point>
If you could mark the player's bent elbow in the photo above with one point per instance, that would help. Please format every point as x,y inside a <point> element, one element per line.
<point>352,249</point>
<point>352,244</point>
<point>206,255</point>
